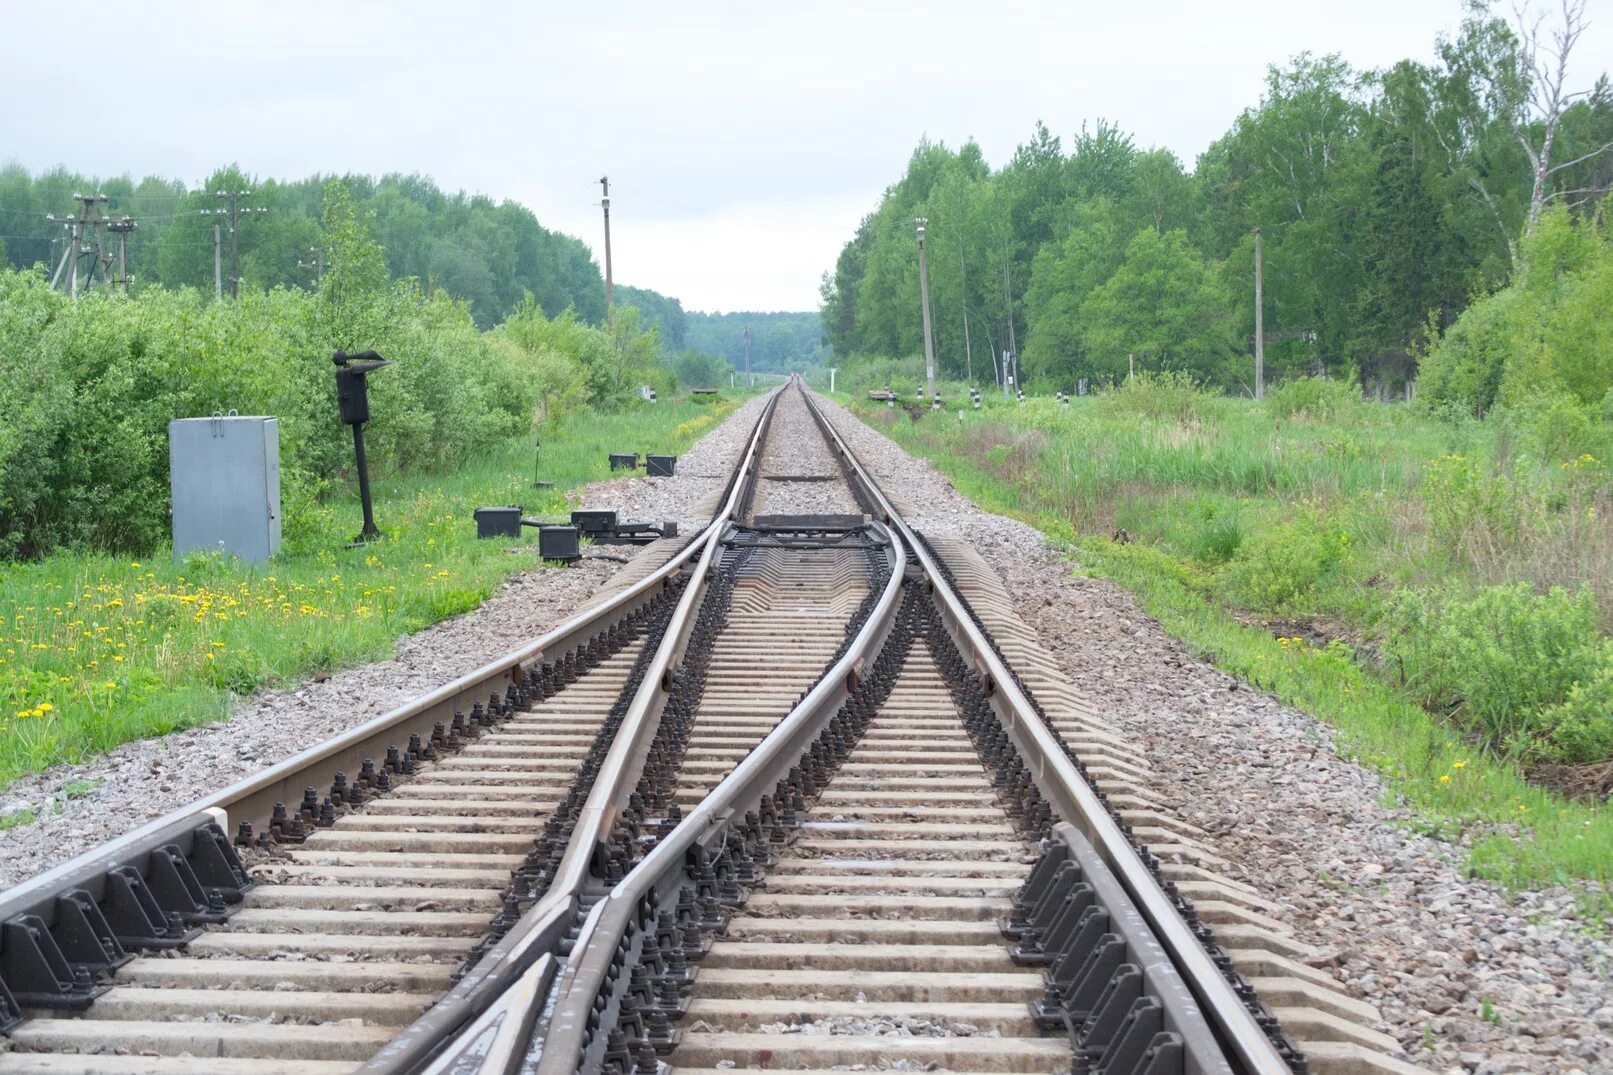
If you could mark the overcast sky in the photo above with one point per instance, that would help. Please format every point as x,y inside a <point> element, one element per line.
<point>744,141</point>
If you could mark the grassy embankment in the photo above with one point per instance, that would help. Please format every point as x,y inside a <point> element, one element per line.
<point>1438,591</point>
<point>98,650</point>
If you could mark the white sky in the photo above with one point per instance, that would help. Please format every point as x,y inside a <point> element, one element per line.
<point>744,141</point>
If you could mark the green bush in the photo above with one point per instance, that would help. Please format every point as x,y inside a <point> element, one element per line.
<point>1581,728</point>
<point>1277,569</point>
<point>1472,512</point>
<point>1173,394</point>
<point>90,386</point>
<point>1315,398</point>
<point>1506,662</point>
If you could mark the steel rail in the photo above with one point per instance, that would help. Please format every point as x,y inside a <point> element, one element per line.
<point>660,874</point>
<point>252,799</point>
<point>1076,802</point>
<point>541,930</point>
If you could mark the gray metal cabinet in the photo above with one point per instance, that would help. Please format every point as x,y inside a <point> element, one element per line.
<point>225,474</point>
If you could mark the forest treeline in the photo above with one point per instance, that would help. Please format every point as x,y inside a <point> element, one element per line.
<point>1386,200</point>
<point>489,254</point>
<point>90,384</point>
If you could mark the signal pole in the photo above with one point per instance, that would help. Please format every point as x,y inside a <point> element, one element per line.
<point>234,212</point>
<point>1260,327</point>
<point>610,305</point>
<point>924,302</point>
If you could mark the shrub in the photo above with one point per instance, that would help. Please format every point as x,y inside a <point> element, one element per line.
<point>1472,513</point>
<point>1315,398</point>
<point>1581,728</point>
<point>90,386</point>
<point>1274,570</point>
<point>1170,395</point>
<point>1501,659</point>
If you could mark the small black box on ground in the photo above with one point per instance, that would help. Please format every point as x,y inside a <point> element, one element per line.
<point>558,543</point>
<point>660,466</point>
<point>594,522</point>
<point>620,461</point>
<point>498,522</point>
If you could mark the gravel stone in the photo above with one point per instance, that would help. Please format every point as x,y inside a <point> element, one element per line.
<point>1308,829</point>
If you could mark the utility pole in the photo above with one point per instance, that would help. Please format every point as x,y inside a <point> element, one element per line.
<point>122,228</point>
<point>1260,327</point>
<point>924,304</point>
<point>610,306</point>
<point>218,264</point>
<point>750,382</point>
<point>234,212</point>
<point>318,265</point>
<point>963,271</point>
<point>89,220</point>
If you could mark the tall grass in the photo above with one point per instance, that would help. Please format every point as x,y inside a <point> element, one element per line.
<point>98,650</point>
<point>1232,515</point>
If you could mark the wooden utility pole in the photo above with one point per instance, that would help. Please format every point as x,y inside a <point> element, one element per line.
<point>234,212</point>
<point>610,306</point>
<point>218,263</point>
<point>1260,327</point>
<point>924,304</point>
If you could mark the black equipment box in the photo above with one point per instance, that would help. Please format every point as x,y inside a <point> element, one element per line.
<point>623,461</point>
<point>660,466</point>
<point>559,542</point>
<point>594,522</point>
<point>498,522</point>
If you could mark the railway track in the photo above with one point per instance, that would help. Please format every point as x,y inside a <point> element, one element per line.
<point>800,793</point>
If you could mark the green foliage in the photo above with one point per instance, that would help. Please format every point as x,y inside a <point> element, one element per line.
<point>1316,398</point>
<point>1385,200</point>
<point>1178,487</point>
<point>1472,511</point>
<point>1507,661</point>
<point>1278,569</point>
<point>1175,395</point>
<point>1546,331</point>
<point>91,386</point>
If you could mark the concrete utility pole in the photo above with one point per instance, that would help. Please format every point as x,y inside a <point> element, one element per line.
<point>924,303</point>
<point>831,380</point>
<point>610,304</point>
<point>318,265</point>
<point>122,228</point>
<point>750,382</point>
<point>89,220</point>
<point>968,352</point>
<point>1260,327</point>
<point>234,213</point>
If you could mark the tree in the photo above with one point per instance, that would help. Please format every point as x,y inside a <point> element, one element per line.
<point>1161,307</point>
<point>1545,54</point>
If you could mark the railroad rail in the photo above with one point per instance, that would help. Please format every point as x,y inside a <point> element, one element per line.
<point>799,795</point>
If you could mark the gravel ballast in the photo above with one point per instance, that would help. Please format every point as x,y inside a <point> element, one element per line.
<point>1398,922</point>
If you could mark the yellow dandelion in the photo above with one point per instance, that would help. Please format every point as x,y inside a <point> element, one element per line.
<point>1446,779</point>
